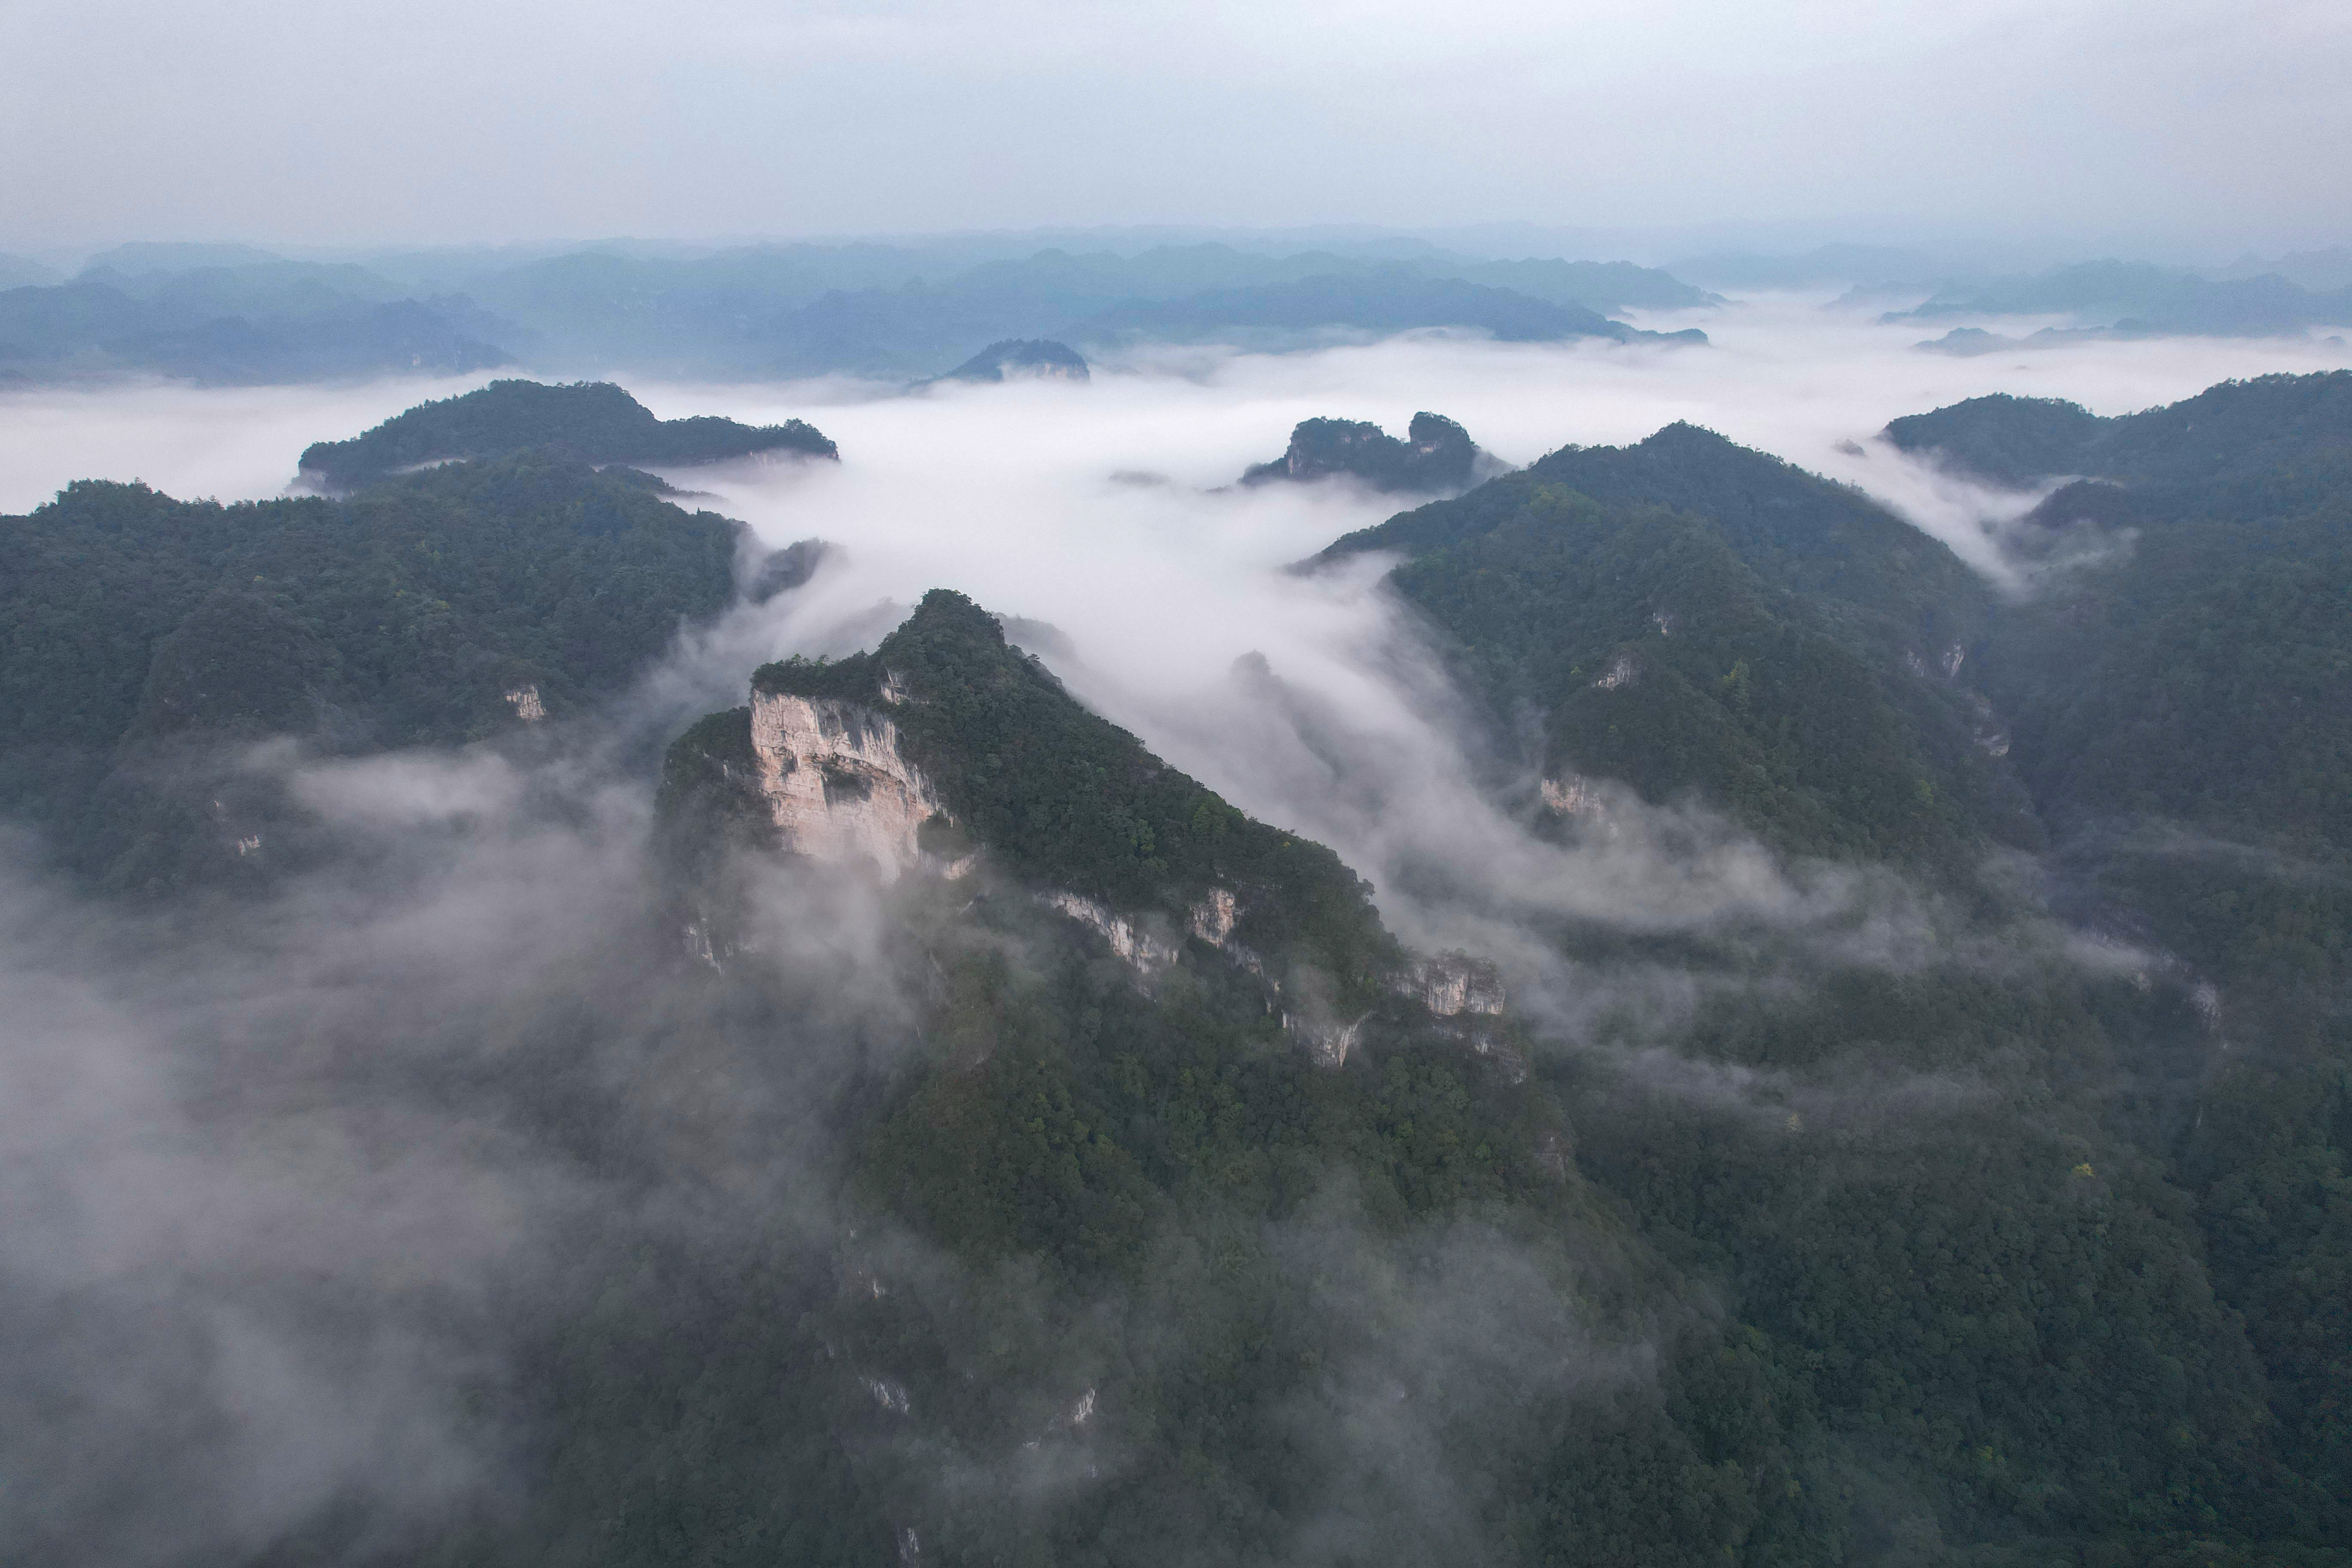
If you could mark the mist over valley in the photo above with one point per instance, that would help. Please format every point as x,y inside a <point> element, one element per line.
<point>1086,827</point>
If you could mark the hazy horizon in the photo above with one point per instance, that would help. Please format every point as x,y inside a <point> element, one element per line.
<point>2179,129</point>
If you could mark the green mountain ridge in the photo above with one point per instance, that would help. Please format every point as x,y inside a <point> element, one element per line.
<point>1686,613</point>
<point>596,420</point>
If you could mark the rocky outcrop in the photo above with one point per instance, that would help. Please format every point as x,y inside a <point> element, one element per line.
<point>1437,454</point>
<point>1328,1041</point>
<point>1453,984</point>
<point>836,781</point>
<point>1571,796</point>
<point>1131,940</point>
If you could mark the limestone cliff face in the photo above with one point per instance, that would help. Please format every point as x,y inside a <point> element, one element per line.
<point>836,781</point>
<point>1453,984</point>
<point>1132,941</point>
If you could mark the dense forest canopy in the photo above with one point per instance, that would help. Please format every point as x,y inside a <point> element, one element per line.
<point>410,612</point>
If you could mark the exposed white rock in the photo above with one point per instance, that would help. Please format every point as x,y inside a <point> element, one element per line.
<point>1081,1411</point>
<point>1328,1043</point>
<point>247,845</point>
<point>836,781</point>
<point>1953,656</point>
<point>1214,918</point>
<point>910,1545</point>
<point>1571,797</point>
<point>891,1397</point>
<point>1453,984</point>
<point>1136,947</point>
<point>527,705</point>
<point>1914,663</point>
<point>1665,621</point>
<point>1623,671</point>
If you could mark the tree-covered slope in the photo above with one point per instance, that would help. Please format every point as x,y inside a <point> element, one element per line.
<point>594,420</point>
<point>1915,1292</point>
<point>408,614</point>
<point>1686,614</point>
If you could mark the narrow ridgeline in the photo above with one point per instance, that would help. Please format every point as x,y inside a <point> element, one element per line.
<point>947,752</point>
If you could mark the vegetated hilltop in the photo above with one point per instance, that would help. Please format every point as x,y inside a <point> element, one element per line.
<point>1017,359</point>
<point>1436,456</point>
<point>596,420</point>
<point>2237,429</point>
<point>1686,612</point>
<point>145,635</point>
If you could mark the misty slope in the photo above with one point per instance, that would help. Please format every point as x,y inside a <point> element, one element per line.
<point>146,637</point>
<point>1686,613</point>
<point>596,421</point>
<point>2177,684</point>
<point>1212,1223</point>
<point>2172,697</point>
<point>1916,1274</point>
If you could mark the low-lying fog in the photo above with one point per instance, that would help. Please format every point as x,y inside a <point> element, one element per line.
<point>1102,511</point>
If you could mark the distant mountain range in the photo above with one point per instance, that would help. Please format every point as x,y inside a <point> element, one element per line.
<point>2134,298</point>
<point>235,314</point>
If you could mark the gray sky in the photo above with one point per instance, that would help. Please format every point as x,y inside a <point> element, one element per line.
<point>2146,124</point>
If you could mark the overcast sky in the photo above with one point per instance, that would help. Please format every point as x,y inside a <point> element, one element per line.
<point>2220,122</point>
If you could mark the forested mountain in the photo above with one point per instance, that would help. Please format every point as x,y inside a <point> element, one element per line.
<point>949,1134</point>
<point>148,639</point>
<point>2170,698</point>
<point>1689,613</point>
<point>2177,690</point>
<point>1437,454</point>
<point>596,421</point>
